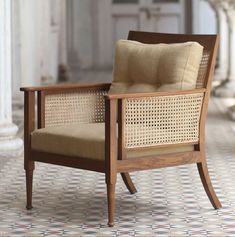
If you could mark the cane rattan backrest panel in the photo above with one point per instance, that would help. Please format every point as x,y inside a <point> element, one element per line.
<point>153,121</point>
<point>203,69</point>
<point>75,107</point>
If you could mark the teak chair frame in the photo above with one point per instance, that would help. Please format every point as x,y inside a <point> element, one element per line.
<point>115,151</point>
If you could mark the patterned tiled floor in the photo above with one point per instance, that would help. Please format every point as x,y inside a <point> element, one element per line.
<point>169,202</point>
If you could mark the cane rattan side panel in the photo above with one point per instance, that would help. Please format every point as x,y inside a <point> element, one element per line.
<point>75,107</point>
<point>152,121</point>
<point>203,69</point>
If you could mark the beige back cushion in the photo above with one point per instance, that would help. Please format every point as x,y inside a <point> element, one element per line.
<point>142,67</point>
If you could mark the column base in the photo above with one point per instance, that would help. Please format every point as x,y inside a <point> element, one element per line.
<point>225,89</point>
<point>10,145</point>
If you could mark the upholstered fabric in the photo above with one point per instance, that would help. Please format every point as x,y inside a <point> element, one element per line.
<point>85,140</point>
<point>142,67</point>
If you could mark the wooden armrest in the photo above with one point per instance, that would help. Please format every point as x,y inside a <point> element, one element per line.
<point>153,94</point>
<point>53,92</point>
<point>65,87</point>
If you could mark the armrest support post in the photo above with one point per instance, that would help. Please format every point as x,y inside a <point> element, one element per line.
<point>110,155</point>
<point>29,126</point>
<point>110,140</point>
<point>121,125</point>
<point>41,109</point>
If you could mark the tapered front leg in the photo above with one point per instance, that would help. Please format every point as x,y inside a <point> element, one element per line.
<point>110,156</point>
<point>29,187</point>
<point>111,203</point>
<point>29,126</point>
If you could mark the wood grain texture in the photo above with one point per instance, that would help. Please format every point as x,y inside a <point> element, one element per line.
<point>65,87</point>
<point>121,124</point>
<point>110,155</point>
<point>161,161</point>
<point>154,94</point>
<point>41,109</point>
<point>121,147</point>
<point>69,161</point>
<point>161,146</point>
<point>29,126</point>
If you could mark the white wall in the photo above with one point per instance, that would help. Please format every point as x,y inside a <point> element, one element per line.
<point>80,32</point>
<point>39,43</point>
<point>94,26</point>
<point>204,18</point>
<point>29,50</point>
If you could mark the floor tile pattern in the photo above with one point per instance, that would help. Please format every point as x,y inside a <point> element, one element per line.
<point>169,202</point>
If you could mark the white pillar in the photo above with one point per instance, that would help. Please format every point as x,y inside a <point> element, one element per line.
<point>231,15</point>
<point>44,29</point>
<point>54,39</point>
<point>227,88</point>
<point>30,42</point>
<point>81,42</point>
<point>223,30</point>
<point>9,144</point>
<point>62,34</point>
<point>16,62</point>
<point>64,74</point>
<point>224,44</point>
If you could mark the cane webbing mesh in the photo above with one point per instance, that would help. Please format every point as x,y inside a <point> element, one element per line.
<point>75,107</point>
<point>203,69</point>
<point>152,121</point>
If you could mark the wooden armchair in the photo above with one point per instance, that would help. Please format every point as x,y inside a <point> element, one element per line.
<point>173,134</point>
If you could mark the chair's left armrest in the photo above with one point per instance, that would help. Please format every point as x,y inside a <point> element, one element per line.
<point>65,87</point>
<point>68,103</point>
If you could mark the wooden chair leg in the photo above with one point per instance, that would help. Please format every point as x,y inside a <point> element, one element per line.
<point>29,187</point>
<point>111,204</point>
<point>128,182</point>
<point>205,178</point>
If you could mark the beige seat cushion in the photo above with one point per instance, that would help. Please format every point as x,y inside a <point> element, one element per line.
<point>142,67</point>
<point>85,140</point>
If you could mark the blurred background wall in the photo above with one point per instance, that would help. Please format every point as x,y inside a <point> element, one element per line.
<point>54,39</point>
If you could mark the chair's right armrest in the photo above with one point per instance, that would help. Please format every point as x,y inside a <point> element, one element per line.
<point>156,118</point>
<point>153,94</point>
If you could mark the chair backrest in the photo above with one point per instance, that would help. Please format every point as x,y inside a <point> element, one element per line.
<point>209,42</point>
<point>201,97</point>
